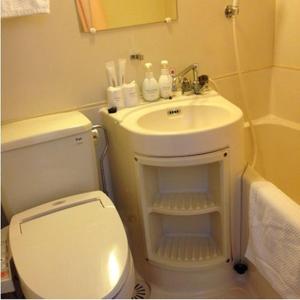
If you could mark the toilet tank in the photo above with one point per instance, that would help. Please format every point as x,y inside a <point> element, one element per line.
<point>46,158</point>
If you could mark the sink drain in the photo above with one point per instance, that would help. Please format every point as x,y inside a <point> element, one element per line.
<point>141,290</point>
<point>174,111</point>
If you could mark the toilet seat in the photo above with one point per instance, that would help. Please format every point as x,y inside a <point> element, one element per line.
<point>74,247</point>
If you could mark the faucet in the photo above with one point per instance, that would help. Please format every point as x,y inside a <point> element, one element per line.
<point>186,85</point>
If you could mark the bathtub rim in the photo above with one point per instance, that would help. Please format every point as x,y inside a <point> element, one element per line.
<point>261,285</point>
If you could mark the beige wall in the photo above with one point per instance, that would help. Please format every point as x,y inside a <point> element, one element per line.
<point>48,65</point>
<point>285,96</point>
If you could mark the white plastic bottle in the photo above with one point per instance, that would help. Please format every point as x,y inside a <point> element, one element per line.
<point>115,97</point>
<point>150,85</point>
<point>130,93</point>
<point>165,81</point>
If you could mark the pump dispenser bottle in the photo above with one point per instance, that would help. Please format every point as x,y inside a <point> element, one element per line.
<point>165,81</point>
<point>150,85</point>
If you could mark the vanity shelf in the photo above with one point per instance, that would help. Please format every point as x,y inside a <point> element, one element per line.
<point>188,203</point>
<point>186,241</point>
<point>184,202</point>
<point>189,251</point>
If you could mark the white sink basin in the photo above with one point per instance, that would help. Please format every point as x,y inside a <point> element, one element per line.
<point>187,126</point>
<point>179,119</point>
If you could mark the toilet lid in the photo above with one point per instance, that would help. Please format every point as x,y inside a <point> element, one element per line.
<point>75,247</point>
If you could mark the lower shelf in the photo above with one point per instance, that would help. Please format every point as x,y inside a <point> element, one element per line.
<point>187,251</point>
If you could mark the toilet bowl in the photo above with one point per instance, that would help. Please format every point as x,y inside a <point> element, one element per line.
<point>73,247</point>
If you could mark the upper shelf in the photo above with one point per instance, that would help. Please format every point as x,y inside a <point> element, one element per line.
<point>184,204</point>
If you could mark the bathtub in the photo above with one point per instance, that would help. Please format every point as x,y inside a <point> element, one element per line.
<point>278,161</point>
<point>278,157</point>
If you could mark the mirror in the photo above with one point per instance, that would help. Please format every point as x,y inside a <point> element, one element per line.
<point>108,14</point>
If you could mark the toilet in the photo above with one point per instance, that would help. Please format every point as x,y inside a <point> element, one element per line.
<point>65,236</point>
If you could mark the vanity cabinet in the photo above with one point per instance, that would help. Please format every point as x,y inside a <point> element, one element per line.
<point>185,208</point>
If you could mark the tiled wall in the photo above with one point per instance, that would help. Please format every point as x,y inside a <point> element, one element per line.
<point>48,65</point>
<point>285,94</point>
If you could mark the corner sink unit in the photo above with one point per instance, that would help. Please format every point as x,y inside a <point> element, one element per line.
<point>176,167</point>
<point>187,126</point>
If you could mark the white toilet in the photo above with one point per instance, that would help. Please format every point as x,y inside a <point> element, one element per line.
<point>73,247</point>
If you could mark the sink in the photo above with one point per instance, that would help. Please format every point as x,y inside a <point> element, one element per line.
<point>181,119</point>
<point>186,125</point>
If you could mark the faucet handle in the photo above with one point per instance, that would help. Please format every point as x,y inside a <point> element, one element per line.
<point>200,84</point>
<point>185,85</point>
<point>197,87</point>
<point>174,82</point>
<point>203,80</point>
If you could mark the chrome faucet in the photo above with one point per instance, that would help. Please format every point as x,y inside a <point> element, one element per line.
<point>187,85</point>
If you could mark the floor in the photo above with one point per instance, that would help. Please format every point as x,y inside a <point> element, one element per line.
<point>240,289</point>
<point>235,292</point>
